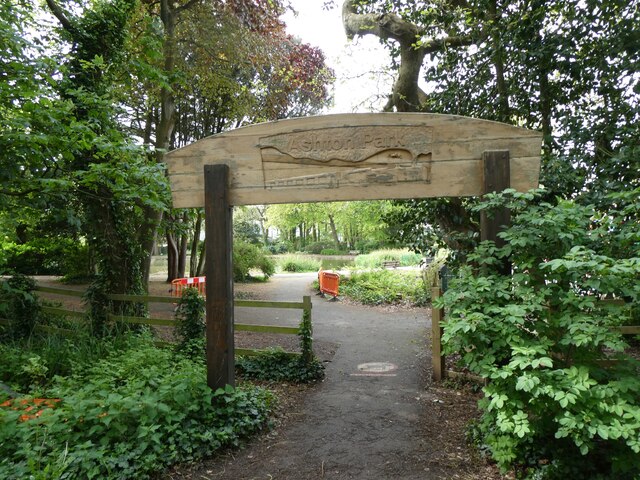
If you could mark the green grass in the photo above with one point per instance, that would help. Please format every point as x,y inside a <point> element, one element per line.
<point>297,263</point>
<point>376,258</point>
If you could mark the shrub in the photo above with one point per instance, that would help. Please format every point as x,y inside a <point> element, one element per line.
<point>60,355</point>
<point>20,305</point>
<point>378,287</point>
<point>277,365</point>
<point>44,256</point>
<point>317,247</point>
<point>368,246</point>
<point>539,336</point>
<point>133,413</point>
<point>279,247</point>
<point>376,258</point>
<point>298,263</point>
<point>274,364</point>
<point>191,323</point>
<point>247,257</point>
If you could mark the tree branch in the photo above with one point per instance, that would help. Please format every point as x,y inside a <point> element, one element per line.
<point>435,45</point>
<point>406,96</point>
<point>59,13</point>
<point>386,26</point>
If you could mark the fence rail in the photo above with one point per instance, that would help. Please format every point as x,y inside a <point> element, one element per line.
<point>77,315</point>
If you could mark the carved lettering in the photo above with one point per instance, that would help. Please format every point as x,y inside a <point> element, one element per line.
<point>347,144</point>
<point>349,156</point>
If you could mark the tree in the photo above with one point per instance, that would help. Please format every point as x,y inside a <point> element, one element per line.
<point>233,64</point>
<point>117,185</point>
<point>220,61</point>
<point>567,68</point>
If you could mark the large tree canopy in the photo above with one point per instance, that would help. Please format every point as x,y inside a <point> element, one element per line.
<point>91,98</point>
<point>568,68</point>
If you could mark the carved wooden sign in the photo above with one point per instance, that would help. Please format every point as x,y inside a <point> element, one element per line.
<point>353,157</point>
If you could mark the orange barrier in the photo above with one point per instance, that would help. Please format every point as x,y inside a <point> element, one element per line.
<point>329,282</point>
<point>179,284</point>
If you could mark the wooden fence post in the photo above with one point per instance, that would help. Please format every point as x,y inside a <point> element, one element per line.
<point>437,316</point>
<point>219,272</point>
<point>307,352</point>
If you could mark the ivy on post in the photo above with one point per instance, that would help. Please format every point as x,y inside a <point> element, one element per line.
<point>219,272</point>
<point>306,332</point>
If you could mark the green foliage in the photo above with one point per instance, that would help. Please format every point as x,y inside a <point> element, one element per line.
<point>247,257</point>
<point>20,305</point>
<point>316,248</point>
<point>539,336</point>
<point>47,256</point>
<point>305,334</point>
<point>376,258</point>
<point>368,245</point>
<point>58,355</point>
<point>274,364</point>
<point>191,323</point>
<point>131,414</point>
<point>297,263</point>
<point>332,251</point>
<point>246,225</point>
<point>279,247</point>
<point>379,287</point>
<point>312,227</point>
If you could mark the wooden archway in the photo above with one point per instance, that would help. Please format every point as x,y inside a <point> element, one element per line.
<point>333,158</point>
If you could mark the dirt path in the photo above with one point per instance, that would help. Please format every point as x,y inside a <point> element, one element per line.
<point>376,415</point>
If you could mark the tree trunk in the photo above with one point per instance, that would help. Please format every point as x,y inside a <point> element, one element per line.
<point>498,63</point>
<point>193,260</point>
<point>182,251</point>
<point>182,256</point>
<point>201,261</point>
<point>172,258</point>
<point>334,232</point>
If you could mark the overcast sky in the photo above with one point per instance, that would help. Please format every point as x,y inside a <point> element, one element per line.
<point>359,65</point>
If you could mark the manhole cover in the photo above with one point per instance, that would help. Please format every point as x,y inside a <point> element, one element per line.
<point>377,367</point>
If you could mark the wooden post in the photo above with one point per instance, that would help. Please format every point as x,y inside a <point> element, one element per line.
<point>437,315</point>
<point>496,177</point>
<point>219,272</point>
<point>306,319</point>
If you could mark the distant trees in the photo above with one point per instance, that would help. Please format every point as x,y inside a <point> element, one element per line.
<point>340,226</point>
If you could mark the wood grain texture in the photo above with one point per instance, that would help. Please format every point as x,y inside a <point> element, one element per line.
<point>353,157</point>
<point>219,273</point>
<point>437,357</point>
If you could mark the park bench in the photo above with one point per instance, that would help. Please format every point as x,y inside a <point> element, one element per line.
<point>390,264</point>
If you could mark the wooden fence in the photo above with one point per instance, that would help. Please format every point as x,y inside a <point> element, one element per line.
<point>438,318</point>
<point>78,315</point>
